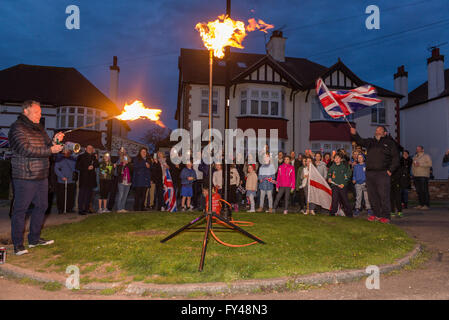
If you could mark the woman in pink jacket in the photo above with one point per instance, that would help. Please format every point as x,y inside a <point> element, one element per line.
<point>285,183</point>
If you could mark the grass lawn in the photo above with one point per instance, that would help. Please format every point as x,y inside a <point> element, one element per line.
<point>112,247</point>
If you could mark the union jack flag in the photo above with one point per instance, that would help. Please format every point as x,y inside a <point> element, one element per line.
<point>4,142</point>
<point>341,103</point>
<point>169,192</point>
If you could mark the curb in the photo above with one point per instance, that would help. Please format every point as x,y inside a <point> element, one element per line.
<point>219,287</point>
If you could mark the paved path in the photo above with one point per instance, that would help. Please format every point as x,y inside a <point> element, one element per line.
<point>429,281</point>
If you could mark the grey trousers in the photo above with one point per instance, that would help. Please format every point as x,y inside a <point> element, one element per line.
<point>283,192</point>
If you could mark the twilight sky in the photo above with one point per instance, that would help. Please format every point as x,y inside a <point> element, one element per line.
<point>147,35</point>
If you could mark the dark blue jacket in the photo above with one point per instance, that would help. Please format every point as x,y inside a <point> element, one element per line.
<point>186,173</point>
<point>359,173</point>
<point>141,174</point>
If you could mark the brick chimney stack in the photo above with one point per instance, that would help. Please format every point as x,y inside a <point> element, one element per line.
<point>401,84</point>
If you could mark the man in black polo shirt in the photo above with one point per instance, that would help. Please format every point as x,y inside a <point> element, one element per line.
<point>382,159</point>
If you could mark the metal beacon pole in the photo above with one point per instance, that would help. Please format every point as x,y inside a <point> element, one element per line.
<point>209,215</point>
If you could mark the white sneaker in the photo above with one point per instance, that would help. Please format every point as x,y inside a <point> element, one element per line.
<point>100,210</point>
<point>251,210</point>
<point>312,212</point>
<point>162,208</point>
<point>304,212</point>
<point>285,211</point>
<point>425,208</point>
<point>106,210</point>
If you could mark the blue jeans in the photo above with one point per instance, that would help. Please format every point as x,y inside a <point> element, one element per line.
<point>25,193</point>
<point>123,191</point>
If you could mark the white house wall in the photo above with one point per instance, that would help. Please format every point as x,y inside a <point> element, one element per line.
<point>428,125</point>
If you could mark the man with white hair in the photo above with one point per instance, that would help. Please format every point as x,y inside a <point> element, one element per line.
<point>421,172</point>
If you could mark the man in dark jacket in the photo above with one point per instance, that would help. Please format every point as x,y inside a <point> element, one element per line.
<point>86,164</point>
<point>381,161</point>
<point>31,148</point>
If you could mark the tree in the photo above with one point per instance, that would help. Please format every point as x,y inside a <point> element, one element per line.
<point>154,135</point>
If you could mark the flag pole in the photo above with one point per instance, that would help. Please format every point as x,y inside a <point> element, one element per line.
<point>348,121</point>
<point>308,191</point>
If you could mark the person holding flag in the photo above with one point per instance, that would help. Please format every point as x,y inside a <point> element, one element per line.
<point>382,160</point>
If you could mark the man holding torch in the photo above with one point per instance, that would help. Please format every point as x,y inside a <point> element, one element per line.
<point>31,148</point>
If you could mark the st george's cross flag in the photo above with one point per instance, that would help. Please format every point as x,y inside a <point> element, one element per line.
<point>319,192</point>
<point>341,103</point>
<point>169,192</point>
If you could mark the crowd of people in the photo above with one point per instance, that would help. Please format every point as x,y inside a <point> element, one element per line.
<point>379,173</point>
<point>263,186</point>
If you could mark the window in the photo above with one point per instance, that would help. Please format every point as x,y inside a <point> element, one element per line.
<point>72,117</point>
<point>378,113</point>
<point>243,101</point>
<point>254,106</point>
<point>71,122</point>
<point>205,101</point>
<point>63,122</point>
<point>264,107</point>
<point>79,121</point>
<point>261,103</point>
<point>274,108</point>
<point>318,112</point>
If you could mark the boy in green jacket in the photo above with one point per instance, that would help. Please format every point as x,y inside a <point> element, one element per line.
<point>338,177</point>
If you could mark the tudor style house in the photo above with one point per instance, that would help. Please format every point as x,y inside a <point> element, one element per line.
<point>273,91</point>
<point>425,112</point>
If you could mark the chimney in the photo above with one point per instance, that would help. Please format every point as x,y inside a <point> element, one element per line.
<point>435,74</point>
<point>276,46</point>
<point>113,85</point>
<point>401,84</point>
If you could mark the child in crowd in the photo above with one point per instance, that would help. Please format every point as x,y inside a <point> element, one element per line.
<point>187,176</point>
<point>338,177</point>
<point>217,178</point>
<point>285,183</point>
<point>266,183</point>
<point>359,180</point>
<point>106,175</point>
<point>251,187</point>
<point>233,184</point>
<point>304,181</point>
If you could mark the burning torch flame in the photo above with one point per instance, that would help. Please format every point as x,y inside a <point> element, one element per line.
<point>224,32</point>
<point>137,110</point>
<point>221,33</point>
<point>259,25</point>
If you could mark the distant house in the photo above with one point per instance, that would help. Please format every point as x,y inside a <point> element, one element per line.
<point>425,112</point>
<point>274,91</point>
<point>68,100</point>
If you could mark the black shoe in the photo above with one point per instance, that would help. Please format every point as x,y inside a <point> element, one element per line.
<point>82,213</point>
<point>20,250</point>
<point>41,242</point>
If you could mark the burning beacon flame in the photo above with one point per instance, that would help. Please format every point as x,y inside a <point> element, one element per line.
<point>258,25</point>
<point>224,31</point>
<point>137,110</point>
<point>221,33</point>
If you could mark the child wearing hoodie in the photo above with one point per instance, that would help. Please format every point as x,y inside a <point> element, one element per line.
<point>251,187</point>
<point>359,180</point>
<point>338,177</point>
<point>267,180</point>
<point>285,183</point>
